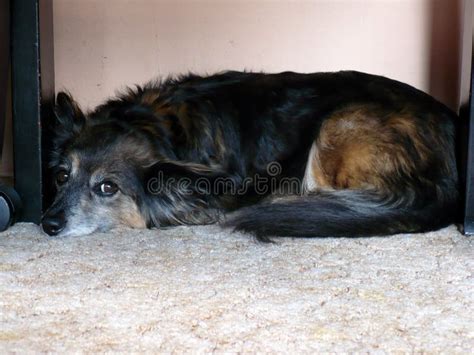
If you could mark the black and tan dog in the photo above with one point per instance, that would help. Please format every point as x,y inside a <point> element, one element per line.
<point>363,155</point>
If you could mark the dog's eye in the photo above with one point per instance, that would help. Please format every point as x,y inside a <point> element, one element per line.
<point>62,176</point>
<point>106,188</point>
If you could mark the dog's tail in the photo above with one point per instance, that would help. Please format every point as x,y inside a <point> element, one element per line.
<point>345,213</point>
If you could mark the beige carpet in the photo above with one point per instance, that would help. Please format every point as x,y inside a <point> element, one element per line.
<point>203,290</point>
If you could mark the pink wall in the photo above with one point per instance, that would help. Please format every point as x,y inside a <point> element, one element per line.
<point>102,46</point>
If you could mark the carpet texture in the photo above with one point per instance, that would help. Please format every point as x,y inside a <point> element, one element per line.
<point>203,289</point>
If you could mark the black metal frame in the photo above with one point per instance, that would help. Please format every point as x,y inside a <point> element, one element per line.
<point>4,64</point>
<point>32,95</point>
<point>467,115</point>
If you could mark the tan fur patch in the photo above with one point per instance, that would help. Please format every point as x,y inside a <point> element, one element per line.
<point>74,163</point>
<point>220,144</point>
<point>313,178</point>
<point>129,215</point>
<point>149,97</point>
<point>360,147</point>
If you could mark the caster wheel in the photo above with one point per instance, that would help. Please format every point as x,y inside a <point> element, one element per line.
<point>10,206</point>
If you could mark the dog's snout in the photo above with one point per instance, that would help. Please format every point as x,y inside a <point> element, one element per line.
<point>54,224</point>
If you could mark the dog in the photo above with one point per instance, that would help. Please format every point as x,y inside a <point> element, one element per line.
<point>343,154</point>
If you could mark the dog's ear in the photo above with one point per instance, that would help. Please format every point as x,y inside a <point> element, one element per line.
<point>70,119</point>
<point>186,178</point>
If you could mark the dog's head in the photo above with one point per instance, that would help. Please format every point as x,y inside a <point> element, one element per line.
<point>114,166</point>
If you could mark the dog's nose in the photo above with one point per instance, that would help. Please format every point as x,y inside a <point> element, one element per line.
<point>54,224</point>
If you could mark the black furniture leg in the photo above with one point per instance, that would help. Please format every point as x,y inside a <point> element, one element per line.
<point>467,114</point>
<point>32,95</point>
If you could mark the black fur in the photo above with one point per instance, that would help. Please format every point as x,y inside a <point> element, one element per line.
<point>346,213</point>
<point>232,125</point>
